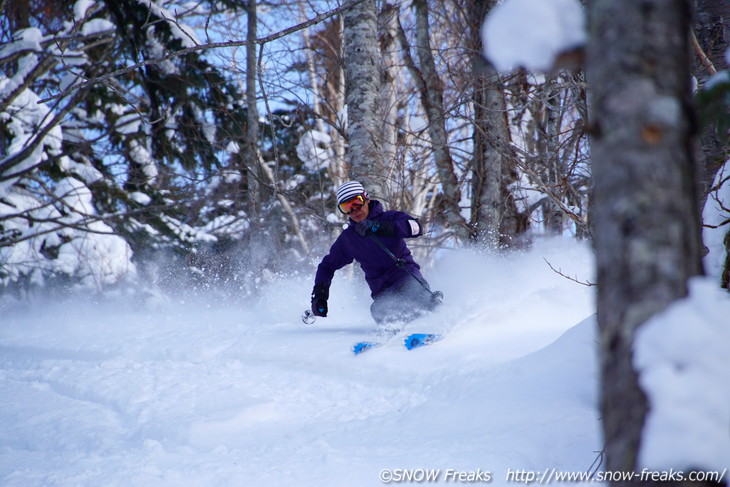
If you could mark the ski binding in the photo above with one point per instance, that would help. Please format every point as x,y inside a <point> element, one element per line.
<point>416,340</point>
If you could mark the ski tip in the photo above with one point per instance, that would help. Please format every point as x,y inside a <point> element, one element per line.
<point>416,340</point>
<point>361,347</point>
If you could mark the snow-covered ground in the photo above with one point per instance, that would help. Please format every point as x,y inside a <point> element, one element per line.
<point>190,394</point>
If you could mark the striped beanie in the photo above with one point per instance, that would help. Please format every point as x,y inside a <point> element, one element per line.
<point>349,190</point>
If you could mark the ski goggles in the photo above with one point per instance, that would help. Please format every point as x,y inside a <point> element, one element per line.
<point>353,204</point>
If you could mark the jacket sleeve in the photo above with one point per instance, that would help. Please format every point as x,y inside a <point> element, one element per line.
<point>337,258</point>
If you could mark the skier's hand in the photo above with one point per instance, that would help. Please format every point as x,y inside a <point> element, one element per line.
<point>366,226</point>
<point>319,307</point>
<point>379,228</point>
<point>320,294</point>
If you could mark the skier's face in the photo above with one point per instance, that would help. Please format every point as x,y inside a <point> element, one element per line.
<point>361,213</point>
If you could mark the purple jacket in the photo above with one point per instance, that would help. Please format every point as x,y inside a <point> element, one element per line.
<point>380,269</point>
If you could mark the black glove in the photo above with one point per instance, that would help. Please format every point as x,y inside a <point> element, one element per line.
<point>320,294</point>
<point>382,229</point>
<point>366,226</point>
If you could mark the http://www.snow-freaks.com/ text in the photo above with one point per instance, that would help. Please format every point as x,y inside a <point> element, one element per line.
<point>543,477</point>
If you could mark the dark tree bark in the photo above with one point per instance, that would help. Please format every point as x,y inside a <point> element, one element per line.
<point>646,225</point>
<point>712,31</point>
<point>496,220</point>
<point>432,98</point>
<point>253,170</point>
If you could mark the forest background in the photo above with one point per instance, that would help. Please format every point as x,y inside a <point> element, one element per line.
<point>149,148</point>
<point>197,145</point>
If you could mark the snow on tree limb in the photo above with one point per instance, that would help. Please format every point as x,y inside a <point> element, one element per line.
<point>204,47</point>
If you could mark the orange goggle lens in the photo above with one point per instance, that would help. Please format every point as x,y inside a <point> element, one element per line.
<point>353,204</point>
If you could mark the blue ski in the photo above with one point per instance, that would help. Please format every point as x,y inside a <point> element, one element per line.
<point>416,340</point>
<point>361,347</point>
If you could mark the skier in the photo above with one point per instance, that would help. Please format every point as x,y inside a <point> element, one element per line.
<point>399,291</point>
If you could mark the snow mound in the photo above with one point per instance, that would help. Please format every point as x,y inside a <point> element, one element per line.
<point>188,393</point>
<point>681,355</point>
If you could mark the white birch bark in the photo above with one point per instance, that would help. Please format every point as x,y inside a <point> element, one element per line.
<point>362,94</point>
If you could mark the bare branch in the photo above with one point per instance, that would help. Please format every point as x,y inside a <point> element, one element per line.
<point>574,279</point>
<point>706,61</point>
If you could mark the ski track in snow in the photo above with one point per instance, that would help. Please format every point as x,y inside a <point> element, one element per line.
<point>190,394</point>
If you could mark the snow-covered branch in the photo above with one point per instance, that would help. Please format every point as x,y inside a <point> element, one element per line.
<point>204,47</point>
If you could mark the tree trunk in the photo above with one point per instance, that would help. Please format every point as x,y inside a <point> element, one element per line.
<point>362,95</point>
<point>487,199</point>
<point>252,126</point>
<point>494,213</point>
<point>647,230</point>
<point>388,19</point>
<point>489,121</point>
<point>338,101</point>
<point>554,170</point>
<point>712,34</point>
<point>433,102</point>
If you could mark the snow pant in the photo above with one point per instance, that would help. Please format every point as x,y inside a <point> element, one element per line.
<point>402,302</point>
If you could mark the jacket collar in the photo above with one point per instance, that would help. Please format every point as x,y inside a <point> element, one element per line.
<point>376,209</point>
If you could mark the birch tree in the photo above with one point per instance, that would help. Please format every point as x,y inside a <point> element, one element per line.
<point>495,218</point>
<point>362,95</point>
<point>431,89</point>
<point>390,60</point>
<point>252,115</point>
<point>710,40</point>
<point>646,227</point>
